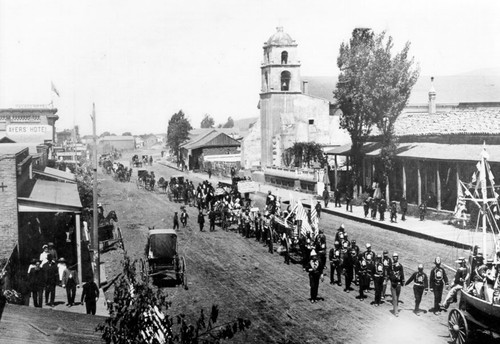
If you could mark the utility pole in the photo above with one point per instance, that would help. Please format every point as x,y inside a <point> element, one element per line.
<point>95,216</point>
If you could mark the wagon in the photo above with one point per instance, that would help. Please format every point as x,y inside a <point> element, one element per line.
<point>140,180</point>
<point>110,237</point>
<point>163,257</point>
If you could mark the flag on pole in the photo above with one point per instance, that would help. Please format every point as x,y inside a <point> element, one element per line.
<point>293,205</point>
<point>54,89</point>
<point>302,215</point>
<point>314,219</point>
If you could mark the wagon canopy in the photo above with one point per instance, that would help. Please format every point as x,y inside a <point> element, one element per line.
<point>163,243</point>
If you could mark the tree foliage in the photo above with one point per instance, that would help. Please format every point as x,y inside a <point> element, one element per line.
<point>373,88</point>
<point>177,132</point>
<point>127,133</point>
<point>207,122</point>
<point>229,123</point>
<point>139,314</point>
<point>304,153</point>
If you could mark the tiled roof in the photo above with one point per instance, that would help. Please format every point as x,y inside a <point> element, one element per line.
<point>456,122</point>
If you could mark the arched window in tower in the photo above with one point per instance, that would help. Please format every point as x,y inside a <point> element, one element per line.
<point>285,80</point>
<point>284,57</point>
<point>266,78</point>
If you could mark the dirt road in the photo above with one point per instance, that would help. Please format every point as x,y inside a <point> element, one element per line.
<point>246,281</point>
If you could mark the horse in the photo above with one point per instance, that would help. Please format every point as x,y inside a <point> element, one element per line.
<point>163,184</point>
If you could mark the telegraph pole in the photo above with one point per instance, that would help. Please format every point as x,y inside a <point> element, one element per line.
<point>95,224</point>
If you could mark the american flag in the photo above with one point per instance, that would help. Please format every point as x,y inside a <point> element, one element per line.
<point>314,219</point>
<point>302,215</point>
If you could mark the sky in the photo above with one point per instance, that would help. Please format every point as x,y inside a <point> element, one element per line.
<point>142,61</point>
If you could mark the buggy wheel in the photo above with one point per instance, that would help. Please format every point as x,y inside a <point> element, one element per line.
<point>457,326</point>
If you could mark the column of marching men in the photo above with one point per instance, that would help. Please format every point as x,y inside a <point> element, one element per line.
<point>348,265</point>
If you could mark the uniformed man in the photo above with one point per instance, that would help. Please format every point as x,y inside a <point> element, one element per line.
<point>318,209</point>
<point>315,274</point>
<point>438,279</point>
<point>350,261</point>
<point>397,278</point>
<point>377,272</point>
<point>320,245</point>
<point>354,246</point>
<point>420,286</point>
<point>461,275</point>
<point>335,257</point>
<point>270,234</point>
<point>258,226</point>
<point>368,254</point>
<point>246,223</point>
<point>363,273</point>
<point>341,229</point>
<point>387,262</point>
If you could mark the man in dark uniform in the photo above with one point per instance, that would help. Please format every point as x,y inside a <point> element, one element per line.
<point>51,279</point>
<point>90,295</point>
<point>326,196</point>
<point>377,272</point>
<point>258,226</point>
<point>355,247</point>
<point>438,280</point>
<point>387,262</point>
<point>315,274</point>
<point>397,277</point>
<point>318,209</point>
<point>270,234</point>
<point>335,257</point>
<point>341,229</point>
<point>461,276</point>
<point>350,261</point>
<point>420,286</point>
<point>184,217</point>
<point>201,220</point>
<point>320,245</point>
<point>363,273</point>
<point>211,219</point>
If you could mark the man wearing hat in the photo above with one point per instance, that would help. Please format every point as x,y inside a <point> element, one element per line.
<point>326,196</point>
<point>420,286</point>
<point>315,273</point>
<point>44,254</point>
<point>397,278</point>
<point>387,262</point>
<point>461,276</point>
<point>363,273</point>
<point>36,282</point>
<point>341,229</point>
<point>90,295</point>
<point>70,281</point>
<point>378,276</point>
<point>394,212</point>
<point>52,251</point>
<point>320,245</point>
<point>51,278</point>
<point>318,209</point>
<point>438,279</point>
<point>335,257</point>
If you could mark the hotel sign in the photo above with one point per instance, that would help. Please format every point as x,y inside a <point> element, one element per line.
<point>29,133</point>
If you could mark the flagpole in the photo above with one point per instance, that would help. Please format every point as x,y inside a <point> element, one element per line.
<point>95,224</point>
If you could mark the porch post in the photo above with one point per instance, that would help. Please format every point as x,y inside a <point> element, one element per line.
<point>336,173</point>
<point>419,184</point>
<point>404,178</point>
<point>458,179</point>
<point>438,187</point>
<point>363,174</point>
<point>387,198</point>
<point>78,247</point>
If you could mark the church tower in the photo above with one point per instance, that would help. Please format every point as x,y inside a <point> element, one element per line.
<point>280,73</point>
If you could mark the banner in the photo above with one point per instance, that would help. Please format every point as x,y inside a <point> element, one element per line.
<point>247,186</point>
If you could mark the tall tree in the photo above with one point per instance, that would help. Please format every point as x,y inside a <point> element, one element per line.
<point>207,122</point>
<point>177,132</point>
<point>127,133</point>
<point>304,152</point>
<point>372,90</point>
<point>229,123</point>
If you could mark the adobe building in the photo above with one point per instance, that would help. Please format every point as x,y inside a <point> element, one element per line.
<point>288,112</point>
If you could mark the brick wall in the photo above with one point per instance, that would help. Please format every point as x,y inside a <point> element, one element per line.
<point>8,206</point>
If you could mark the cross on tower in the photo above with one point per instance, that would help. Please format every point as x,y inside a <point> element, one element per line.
<point>3,187</point>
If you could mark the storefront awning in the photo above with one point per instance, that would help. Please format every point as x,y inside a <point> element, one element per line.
<point>48,196</point>
<point>57,174</point>
<point>346,149</point>
<point>440,151</point>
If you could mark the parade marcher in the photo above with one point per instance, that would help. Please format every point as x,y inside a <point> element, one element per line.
<point>321,247</point>
<point>70,281</point>
<point>90,295</point>
<point>246,223</point>
<point>336,195</point>
<point>382,207</point>
<point>326,196</point>
<point>387,262</point>
<point>176,221</point>
<point>211,219</point>
<point>377,273</point>
<point>270,234</point>
<point>184,218</point>
<point>355,247</point>
<point>318,209</point>
<point>36,282</point>
<point>437,280</point>
<point>394,212</point>
<point>258,226</point>
<point>397,278</point>
<point>315,274</point>
<point>340,230</point>
<point>422,208</point>
<point>201,220</point>
<point>366,206</point>
<point>335,257</point>
<point>403,204</point>
<point>51,279</point>
<point>420,286</point>
<point>350,261</point>
<point>363,274</point>
<point>461,275</point>
<point>368,254</point>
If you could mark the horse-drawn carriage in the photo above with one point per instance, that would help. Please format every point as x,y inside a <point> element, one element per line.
<point>163,257</point>
<point>109,233</point>
<point>136,162</point>
<point>175,190</point>
<point>289,235</point>
<point>145,180</point>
